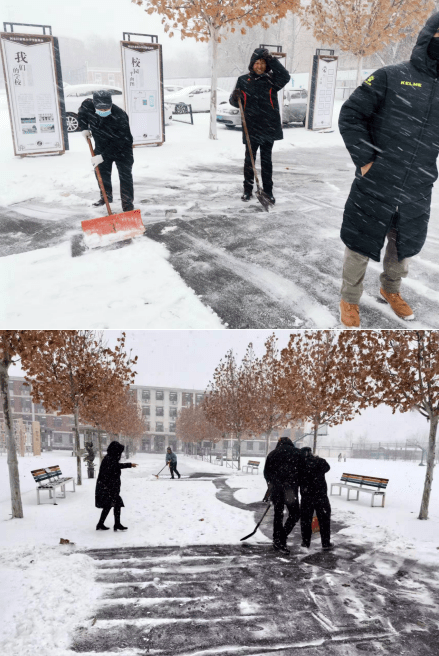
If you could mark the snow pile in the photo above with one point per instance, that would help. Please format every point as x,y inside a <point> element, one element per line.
<point>50,591</point>
<point>132,286</point>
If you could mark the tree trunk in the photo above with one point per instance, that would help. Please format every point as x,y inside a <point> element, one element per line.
<point>239,451</point>
<point>213,83</point>
<point>423,513</point>
<point>359,71</point>
<point>100,444</point>
<point>77,448</point>
<point>315,431</point>
<point>267,442</point>
<point>14,476</point>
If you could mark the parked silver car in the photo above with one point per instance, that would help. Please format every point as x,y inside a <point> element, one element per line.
<point>295,104</point>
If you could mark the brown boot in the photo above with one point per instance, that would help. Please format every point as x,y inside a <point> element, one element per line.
<point>349,314</point>
<point>398,305</point>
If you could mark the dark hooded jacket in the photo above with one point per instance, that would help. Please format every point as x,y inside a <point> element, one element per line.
<point>283,464</point>
<point>312,477</point>
<point>392,119</point>
<point>111,133</point>
<point>171,457</point>
<point>261,107</point>
<point>108,483</point>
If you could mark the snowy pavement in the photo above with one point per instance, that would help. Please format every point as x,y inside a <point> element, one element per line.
<point>219,263</point>
<point>377,590</point>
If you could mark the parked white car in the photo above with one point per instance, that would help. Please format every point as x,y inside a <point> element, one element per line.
<point>171,88</point>
<point>75,94</point>
<point>196,96</point>
<point>229,116</point>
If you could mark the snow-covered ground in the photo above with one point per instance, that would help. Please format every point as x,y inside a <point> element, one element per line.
<point>218,263</point>
<point>50,586</point>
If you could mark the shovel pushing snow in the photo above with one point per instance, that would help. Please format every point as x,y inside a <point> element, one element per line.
<point>258,524</point>
<point>113,228</point>
<point>157,475</point>
<point>262,197</point>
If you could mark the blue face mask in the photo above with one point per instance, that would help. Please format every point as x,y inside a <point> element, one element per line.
<point>103,113</point>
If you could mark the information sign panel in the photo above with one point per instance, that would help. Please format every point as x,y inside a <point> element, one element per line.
<point>322,92</point>
<point>142,72</point>
<point>32,88</point>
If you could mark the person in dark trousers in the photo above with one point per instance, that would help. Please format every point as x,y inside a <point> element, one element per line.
<point>109,126</point>
<point>108,486</point>
<point>171,460</point>
<point>390,126</point>
<point>281,471</point>
<point>314,497</point>
<point>258,92</point>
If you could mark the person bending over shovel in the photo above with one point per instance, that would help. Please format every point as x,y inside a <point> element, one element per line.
<point>258,93</point>
<point>109,126</point>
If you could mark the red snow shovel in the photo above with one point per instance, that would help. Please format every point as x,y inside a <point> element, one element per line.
<point>119,227</point>
<point>262,197</point>
<point>157,475</point>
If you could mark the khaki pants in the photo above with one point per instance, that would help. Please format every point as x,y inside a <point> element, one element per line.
<point>354,270</point>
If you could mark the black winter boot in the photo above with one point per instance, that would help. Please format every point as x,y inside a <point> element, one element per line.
<point>246,196</point>
<point>119,527</point>
<point>101,202</point>
<point>277,546</point>
<point>101,527</point>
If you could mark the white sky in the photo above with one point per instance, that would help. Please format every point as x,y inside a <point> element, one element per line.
<point>82,18</point>
<point>187,358</point>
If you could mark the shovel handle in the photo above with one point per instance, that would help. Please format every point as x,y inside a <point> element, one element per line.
<point>99,177</point>
<point>244,125</point>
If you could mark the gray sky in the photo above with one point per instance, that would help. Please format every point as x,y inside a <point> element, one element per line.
<point>81,18</point>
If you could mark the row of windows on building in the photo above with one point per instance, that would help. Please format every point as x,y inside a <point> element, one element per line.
<point>186,397</point>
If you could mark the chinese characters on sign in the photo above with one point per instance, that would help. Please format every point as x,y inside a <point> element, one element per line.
<point>31,84</point>
<point>142,79</point>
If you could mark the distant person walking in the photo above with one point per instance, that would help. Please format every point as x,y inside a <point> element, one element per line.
<point>339,457</point>
<point>390,125</point>
<point>281,471</point>
<point>171,460</point>
<point>108,486</point>
<point>258,93</point>
<point>314,497</point>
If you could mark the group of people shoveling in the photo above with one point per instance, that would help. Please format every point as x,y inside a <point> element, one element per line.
<point>287,469</point>
<point>389,125</point>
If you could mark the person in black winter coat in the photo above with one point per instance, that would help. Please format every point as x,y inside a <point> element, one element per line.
<point>314,497</point>
<point>108,486</point>
<point>281,471</point>
<point>390,126</point>
<point>171,460</point>
<point>258,92</point>
<point>109,126</point>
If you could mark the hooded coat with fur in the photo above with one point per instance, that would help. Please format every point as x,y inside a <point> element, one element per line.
<point>108,483</point>
<point>392,120</point>
<point>260,104</point>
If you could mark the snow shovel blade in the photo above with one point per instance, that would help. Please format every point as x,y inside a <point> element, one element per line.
<point>257,525</point>
<point>263,199</point>
<point>110,229</point>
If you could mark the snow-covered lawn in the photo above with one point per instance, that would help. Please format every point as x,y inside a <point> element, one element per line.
<point>50,593</point>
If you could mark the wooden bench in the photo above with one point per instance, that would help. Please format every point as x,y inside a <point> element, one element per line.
<point>49,479</point>
<point>374,486</point>
<point>252,465</point>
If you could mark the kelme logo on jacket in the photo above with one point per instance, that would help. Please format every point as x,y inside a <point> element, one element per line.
<point>411,84</point>
<point>369,80</point>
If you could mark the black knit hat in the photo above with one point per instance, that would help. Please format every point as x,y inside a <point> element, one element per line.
<point>102,99</point>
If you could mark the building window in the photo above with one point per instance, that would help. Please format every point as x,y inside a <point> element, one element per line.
<point>159,426</point>
<point>172,428</point>
<point>57,421</point>
<point>159,395</point>
<point>147,426</point>
<point>173,397</point>
<point>146,395</point>
<point>98,78</point>
<point>25,390</point>
<point>187,399</point>
<point>226,444</point>
<point>159,411</point>
<point>199,398</point>
<point>173,412</point>
<point>57,438</point>
<point>146,411</point>
<point>71,438</point>
<point>111,79</point>
<point>261,446</point>
<point>249,446</point>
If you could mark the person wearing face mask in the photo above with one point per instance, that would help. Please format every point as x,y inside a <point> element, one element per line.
<point>258,93</point>
<point>390,126</point>
<point>109,126</point>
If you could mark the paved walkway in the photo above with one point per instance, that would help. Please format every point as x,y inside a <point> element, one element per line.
<point>246,599</point>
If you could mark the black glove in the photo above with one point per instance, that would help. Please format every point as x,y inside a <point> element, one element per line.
<point>266,55</point>
<point>237,94</point>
